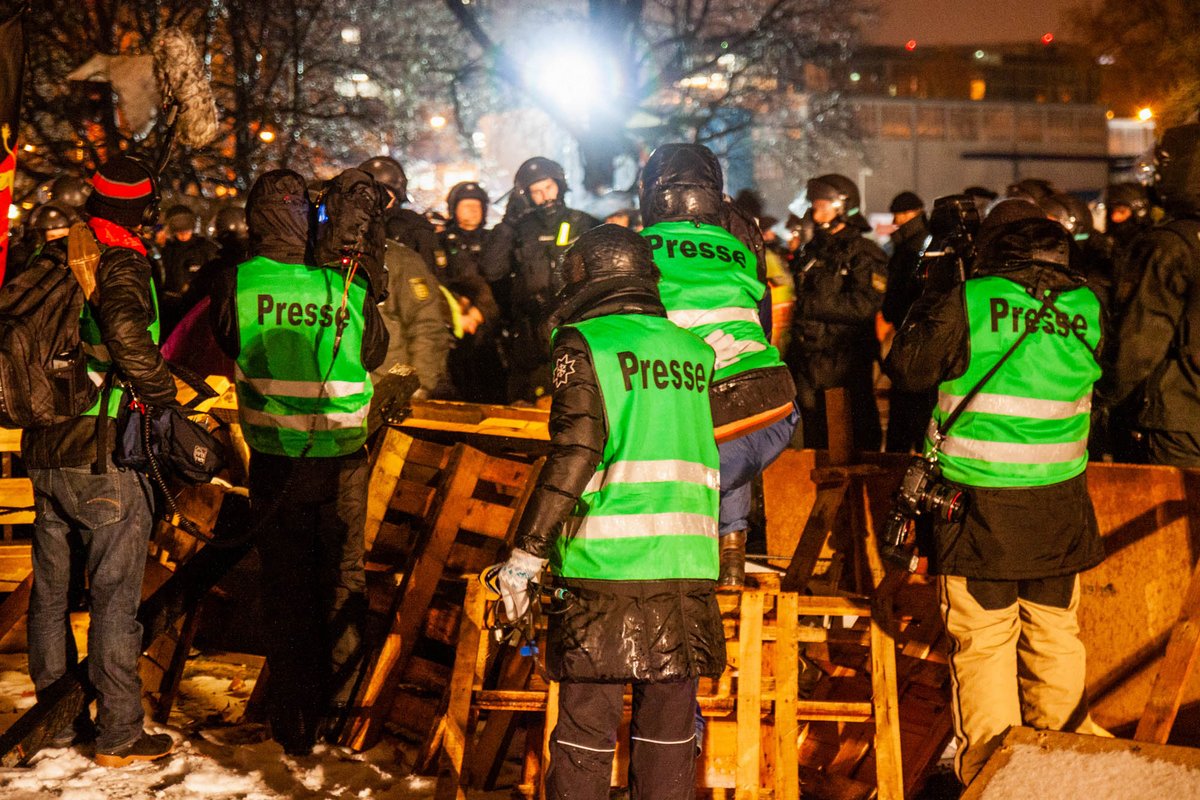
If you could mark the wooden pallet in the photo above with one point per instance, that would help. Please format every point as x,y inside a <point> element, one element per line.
<point>450,510</point>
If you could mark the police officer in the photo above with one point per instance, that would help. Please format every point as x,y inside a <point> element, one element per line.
<point>907,413</point>
<point>183,256</point>
<point>476,365</point>
<point>1126,216</point>
<point>841,278</point>
<point>631,482</point>
<point>1160,335</point>
<point>523,255</point>
<point>403,224</point>
<point>305,337</point>
<point>46,223</point>
<point>713,285</point>
<point>1008,570</point>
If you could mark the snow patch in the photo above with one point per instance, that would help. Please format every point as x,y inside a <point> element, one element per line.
<point>1090,776</point>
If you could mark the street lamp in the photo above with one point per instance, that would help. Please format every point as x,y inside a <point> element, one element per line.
<point>267,135</point>
<point>1145,114</point>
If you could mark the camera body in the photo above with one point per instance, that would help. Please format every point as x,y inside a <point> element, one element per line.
<point>953,225</point>
<point>922,492</point>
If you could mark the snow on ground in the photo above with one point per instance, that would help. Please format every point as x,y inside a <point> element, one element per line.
<point>1032,771</point>
<point>216,757</point>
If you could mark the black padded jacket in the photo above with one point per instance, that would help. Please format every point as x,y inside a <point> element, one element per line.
<point>611,631</point>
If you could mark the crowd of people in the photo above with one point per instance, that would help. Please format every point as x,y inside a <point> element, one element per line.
<point>680,348</point>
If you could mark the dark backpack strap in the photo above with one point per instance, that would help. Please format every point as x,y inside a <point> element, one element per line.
<point>103,422</point>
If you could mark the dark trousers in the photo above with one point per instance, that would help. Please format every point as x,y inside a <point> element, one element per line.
<point>314,586</point>
<point>1173,448</point>
<point>662,755</point>
<point>908,419</point>
<point>859,383</point>
<point>111,517</point>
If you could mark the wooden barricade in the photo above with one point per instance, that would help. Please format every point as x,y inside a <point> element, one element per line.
<point>434,513</point>
<point>756,720</point>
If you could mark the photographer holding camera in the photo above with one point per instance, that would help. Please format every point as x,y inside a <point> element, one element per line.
<point>1013,353</point>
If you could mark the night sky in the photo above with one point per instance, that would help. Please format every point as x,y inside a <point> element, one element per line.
<point>969,21</point>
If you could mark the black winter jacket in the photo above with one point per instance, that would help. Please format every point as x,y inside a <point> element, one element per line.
<point>840,283</point>
<point>123,315</point>
<point>611,631</point>
<point>903,283</point>
<point>461,272</point>
<point>1160,335</point>
<point>414,232</point>
<point>1008,533</point>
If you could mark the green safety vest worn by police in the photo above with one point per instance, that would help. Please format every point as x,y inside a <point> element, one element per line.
<point>294,397</point>
<point>1029,424</point>
<point>710,286</point>
<point>650,510</point>
<point>97,370</point>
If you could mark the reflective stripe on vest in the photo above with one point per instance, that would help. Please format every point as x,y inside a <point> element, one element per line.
<point>296,396</point>
<point>650,510</point>
<point>710,286</point>
<point>1030,425</point>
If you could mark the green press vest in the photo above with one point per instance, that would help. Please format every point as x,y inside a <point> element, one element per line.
<point>710,286</point>
<point>89,332</point>
<point>1029,424</point>
<point>292,392</point>
<point>650,510</point>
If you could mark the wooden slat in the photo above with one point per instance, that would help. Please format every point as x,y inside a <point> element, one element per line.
<point>889,768</point>
<point>10,440</point>
<point>487,519</point>
<point>547,732</point>
<point>812,539</point>
<point>749,723</point>
<point>466,675</point>
<point>1183,649</point>
<point>16,493</point>
<point>388,465</point>
<point>16,562</point>
<point>16,605</point>
<point>787,656</point>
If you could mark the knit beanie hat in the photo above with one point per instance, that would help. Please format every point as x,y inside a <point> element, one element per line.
<point>906,201</point>
<point>122,189</point>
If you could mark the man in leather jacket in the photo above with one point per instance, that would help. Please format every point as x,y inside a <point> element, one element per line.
<point>841,278</point>
<point>632,476</point>
<point>525,255</point>
<point>78,491</point>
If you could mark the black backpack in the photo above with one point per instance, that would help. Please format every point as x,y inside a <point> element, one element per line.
<point>43,366</point>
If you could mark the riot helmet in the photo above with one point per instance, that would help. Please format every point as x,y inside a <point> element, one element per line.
<point>51,217</point>
<point>841,191</point>
<point>1132,196</point>
<point>230,221</point>
<point>1035,189</point>
<point>681,182</point>
<point>604,263</point>
<point>388,171</point>
<point>538,169</point>
<point>1071,212</point>
<point>466,190</point>
<point>69,191</point>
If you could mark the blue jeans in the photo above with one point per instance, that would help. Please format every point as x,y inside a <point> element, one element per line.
<point>743,459</point>
<point>111,517</point>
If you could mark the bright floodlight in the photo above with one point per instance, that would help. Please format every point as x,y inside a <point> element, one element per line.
<point>1145,114</point>
<point>571,75</point>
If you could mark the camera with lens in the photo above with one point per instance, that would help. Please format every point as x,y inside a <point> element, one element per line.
<point>953,226</point>
<point>922,492</point>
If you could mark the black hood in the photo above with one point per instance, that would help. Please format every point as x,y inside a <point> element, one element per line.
<point>682,182</point>
<point>1035,252</point>
<point>352,227</point>
<point>279,217</point>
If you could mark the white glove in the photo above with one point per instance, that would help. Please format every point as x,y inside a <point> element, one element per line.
<point>521,569</point>
<point>729,349</point>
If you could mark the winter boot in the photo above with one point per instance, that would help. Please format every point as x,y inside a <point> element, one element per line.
<point>732,576</point>
<point>148,747</point>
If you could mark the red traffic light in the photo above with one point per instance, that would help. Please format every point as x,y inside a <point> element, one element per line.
<point>1047,38</point>
<point>911,44</point>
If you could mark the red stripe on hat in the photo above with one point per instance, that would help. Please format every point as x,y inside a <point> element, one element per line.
<point>122,191</point>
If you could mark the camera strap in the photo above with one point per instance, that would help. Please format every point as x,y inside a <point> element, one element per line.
<point>940,434</point>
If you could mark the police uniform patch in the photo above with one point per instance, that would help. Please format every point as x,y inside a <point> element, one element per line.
<point>564,368</point>
<point>419,288</point>
<point>878,282</point>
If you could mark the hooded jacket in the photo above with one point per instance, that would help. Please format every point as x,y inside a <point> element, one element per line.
<point>280,219</point>
<point>1010,533</point>
<point>679,634</point>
